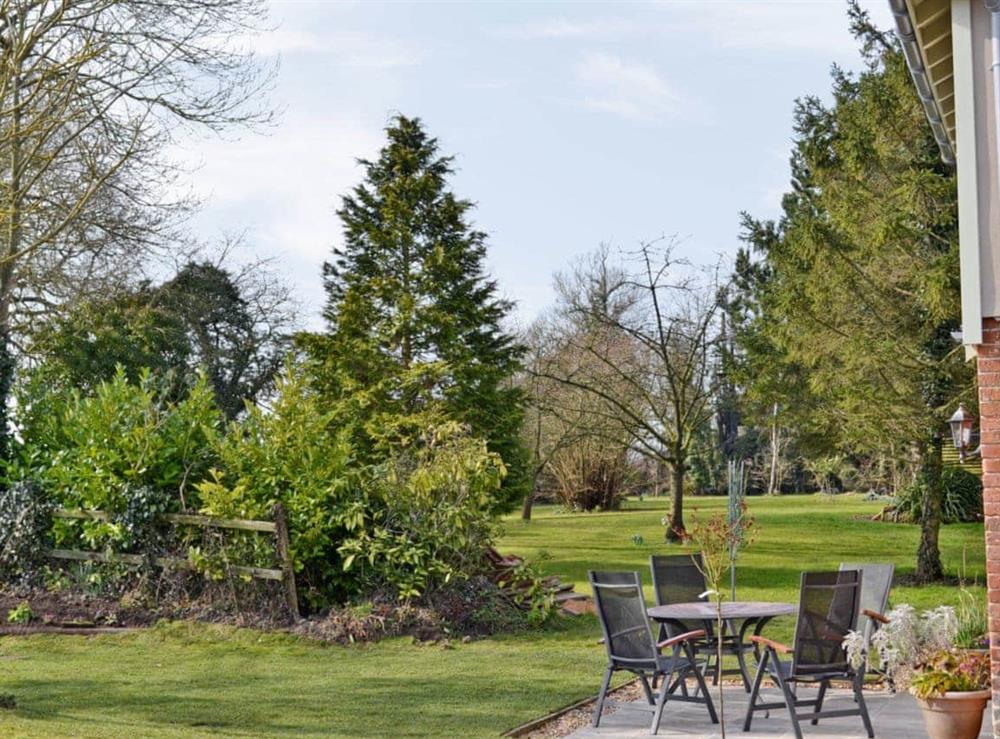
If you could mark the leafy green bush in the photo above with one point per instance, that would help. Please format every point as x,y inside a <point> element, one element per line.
<point>963,496</point>
<point>25,526</point>
<point>962,502</point>
<point>98,452</point>
<point>290,454</point>
<point>20,614</point>
<point>425,517</point>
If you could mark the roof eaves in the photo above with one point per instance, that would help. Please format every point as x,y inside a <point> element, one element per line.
<point>906,32</point>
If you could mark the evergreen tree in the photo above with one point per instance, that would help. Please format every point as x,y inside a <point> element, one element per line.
<point>415,333</point>
<point>853,308</point>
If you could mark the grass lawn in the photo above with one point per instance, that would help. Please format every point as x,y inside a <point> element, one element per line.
<point>794,533</point>
<point>185,680</point>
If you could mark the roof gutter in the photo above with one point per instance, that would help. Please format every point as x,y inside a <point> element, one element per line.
<point>911,50</point>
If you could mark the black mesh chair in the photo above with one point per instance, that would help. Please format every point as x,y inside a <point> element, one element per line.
<point>678,578</point>
<point>628,638</point>
<point>828,609</point>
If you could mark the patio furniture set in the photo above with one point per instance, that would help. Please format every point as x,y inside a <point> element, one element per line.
<point>685,647</point>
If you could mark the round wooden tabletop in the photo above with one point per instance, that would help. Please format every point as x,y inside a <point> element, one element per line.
<point>705,611</point>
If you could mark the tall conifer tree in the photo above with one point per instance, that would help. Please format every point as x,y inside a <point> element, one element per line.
<point>415,333</point>
<point>858,291</point>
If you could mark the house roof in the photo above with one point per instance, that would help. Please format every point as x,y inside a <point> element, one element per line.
<point>924,30</point>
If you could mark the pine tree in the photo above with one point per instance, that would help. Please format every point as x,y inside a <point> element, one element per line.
<point>414,324</point>
<point>859,289</point>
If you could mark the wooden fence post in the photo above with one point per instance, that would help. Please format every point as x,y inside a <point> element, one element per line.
<point>285,557</point>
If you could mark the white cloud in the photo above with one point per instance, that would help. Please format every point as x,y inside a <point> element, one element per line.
<point>284,189</point>
<point>628,89</point>
<point>340,48</point>
<point>818,26</point>
<point>559,28</point>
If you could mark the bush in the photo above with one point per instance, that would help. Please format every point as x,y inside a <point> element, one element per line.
<point>25,530</point>
<point>963,496</point>
<point>962,500</point>
<point>292,455</point>
<point>425,517</point>
<point>99,452</point>
<point>590,476</point>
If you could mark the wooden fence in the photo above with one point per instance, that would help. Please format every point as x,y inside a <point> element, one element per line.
<point>278,527</point>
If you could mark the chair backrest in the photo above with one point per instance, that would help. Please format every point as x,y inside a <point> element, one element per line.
<point>621,610</point>
<point>828,609</point>
<point>677,578</point>
<point>876,581</point>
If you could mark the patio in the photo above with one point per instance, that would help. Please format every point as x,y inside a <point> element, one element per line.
<point>893,716</point>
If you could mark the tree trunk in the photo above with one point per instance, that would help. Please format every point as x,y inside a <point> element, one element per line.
<point>928,554</point>
<point>676,530</point>
<point>13,247</point>
<point>772,481</point>
<point>529,501</point>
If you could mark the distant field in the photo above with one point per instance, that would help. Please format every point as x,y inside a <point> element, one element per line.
<point>184,680</point>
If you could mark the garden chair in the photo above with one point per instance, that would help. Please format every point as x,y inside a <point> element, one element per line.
<point>628,638</point>
<point>876,582</point>
<point>678,578</point>
<point>828,609</point>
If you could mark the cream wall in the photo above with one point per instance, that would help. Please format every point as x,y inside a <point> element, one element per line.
<point>987,174</point>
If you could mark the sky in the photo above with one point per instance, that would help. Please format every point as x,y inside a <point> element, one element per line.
<point>572,124</point>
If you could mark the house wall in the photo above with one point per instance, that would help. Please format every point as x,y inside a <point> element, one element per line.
<point>988,368</point>
<point>988,175</point>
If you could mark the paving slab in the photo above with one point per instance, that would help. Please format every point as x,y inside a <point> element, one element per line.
<point>893,717</point>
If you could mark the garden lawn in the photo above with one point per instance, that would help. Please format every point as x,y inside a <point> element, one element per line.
<point>791,533</point>
<point>185,680</point>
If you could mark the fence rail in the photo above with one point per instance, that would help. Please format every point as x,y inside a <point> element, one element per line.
<point>278,527</point>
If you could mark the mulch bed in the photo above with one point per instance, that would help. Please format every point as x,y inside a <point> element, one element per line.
<point>69,612</point>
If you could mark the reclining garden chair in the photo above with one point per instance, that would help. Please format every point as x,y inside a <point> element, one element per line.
<point>678,578</point>
<point>628,638</point>
<point>828,609</point>
<point>876,582</point>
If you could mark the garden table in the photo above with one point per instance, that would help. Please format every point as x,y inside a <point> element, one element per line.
<point>749,614</point>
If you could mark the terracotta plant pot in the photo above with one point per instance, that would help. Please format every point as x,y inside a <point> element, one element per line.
<point>954,715</point>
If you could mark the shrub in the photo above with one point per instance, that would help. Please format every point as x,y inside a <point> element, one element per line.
<point>20,614</point>
<point>100,452</point>
<point>292,455</point>
<point>25,529</point>
<point>425,518</point>
<point>589,475</point>
<point>962,498</point>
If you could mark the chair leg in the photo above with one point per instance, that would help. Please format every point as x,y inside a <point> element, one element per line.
<point>819,701</point>
<point>645,688</point>
<point>702,688</point>
<point>859,680</point>
<point>661,697</point>
<point>599,706</point>
<point>789,695</point>
<point>755,690</point>
<point>742,659</point>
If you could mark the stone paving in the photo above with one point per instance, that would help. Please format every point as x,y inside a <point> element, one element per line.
<point>893,717</point>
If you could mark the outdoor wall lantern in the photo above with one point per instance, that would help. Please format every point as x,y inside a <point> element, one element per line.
<point>961,423</point>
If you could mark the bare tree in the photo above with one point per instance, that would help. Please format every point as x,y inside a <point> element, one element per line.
<point>648,323</point>
<point>91,93</point>
<point>560,418</point>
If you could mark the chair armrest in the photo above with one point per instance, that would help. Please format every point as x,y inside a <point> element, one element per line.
<point>875,616</point>
<point>687,636</point>
<point>775,645</point>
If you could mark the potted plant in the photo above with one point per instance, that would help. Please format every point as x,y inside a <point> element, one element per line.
<point>918,650</point>
<point>952,689</point>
